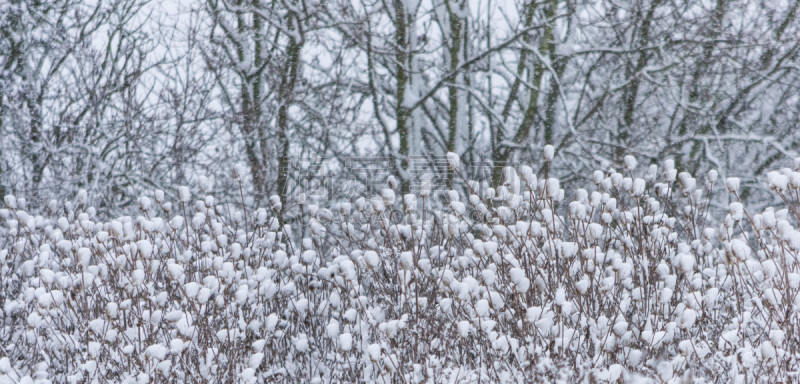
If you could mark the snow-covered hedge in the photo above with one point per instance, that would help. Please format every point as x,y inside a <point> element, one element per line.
<point>637,280</point>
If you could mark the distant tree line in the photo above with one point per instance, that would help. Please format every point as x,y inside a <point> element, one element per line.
<point>118,97</point>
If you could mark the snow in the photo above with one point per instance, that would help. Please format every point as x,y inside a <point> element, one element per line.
<point>453,160</point>
<point>346,341</point>
<point>332,329</point>
<point>670,175</point>
<point>377,204</point>
<point>737,210</point>
<point>458,207</point>
<point>176,346</point>
<point>553,187</point>
<point>10,201</point>
<point>548,152</point>
<point>740,249</point>
<point>374,352</point>
<point>191,289</point>
<point>203,295</point>
<point>684,262</point>
<point>372,259</point>
<point>184,196</point>
<point>347,270</point>
<point>156,351</point>
<point>84,257</point>
<point>777,336</point>
<point>777,181</point>
<point>616,272</point>
<point>482,308</point>
<point>732,183</point>
<point>301,343</point>
<point>145,248</point>
<point>630,162</point>
<point>688,319</point>
<point>388,196</point>
<point>309,256</point>
<point>527,175</point>
<point>410,202</point>
<point>638,187</point>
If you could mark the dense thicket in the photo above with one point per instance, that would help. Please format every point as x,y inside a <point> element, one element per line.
<point>332,232</point>
<point>121,96</point>
<point>628,281</point>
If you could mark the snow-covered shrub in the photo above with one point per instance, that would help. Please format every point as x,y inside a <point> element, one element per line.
<point>640,279</point>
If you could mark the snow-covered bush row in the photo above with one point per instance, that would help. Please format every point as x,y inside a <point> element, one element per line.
<point>637,280</point>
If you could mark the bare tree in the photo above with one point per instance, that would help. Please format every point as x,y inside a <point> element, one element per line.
<point>73,104</point>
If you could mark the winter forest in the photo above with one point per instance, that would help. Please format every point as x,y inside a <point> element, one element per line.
<point>399,191</point>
